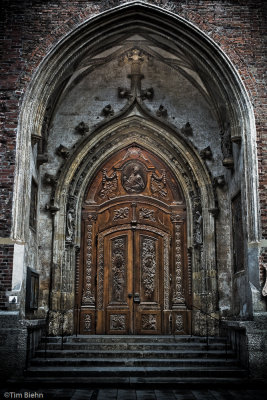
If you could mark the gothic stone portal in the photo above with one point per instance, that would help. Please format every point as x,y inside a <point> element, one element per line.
<point>133,275</point>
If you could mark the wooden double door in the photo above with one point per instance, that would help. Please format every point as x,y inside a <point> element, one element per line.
<point>133,275</point>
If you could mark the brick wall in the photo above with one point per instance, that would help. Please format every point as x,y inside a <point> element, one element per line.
<point>6,260</point>
<point>30,28</point>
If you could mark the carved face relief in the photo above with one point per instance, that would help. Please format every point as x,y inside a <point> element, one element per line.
<point>133,177</point>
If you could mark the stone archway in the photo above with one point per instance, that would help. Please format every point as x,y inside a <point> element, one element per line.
<point>214,161</point>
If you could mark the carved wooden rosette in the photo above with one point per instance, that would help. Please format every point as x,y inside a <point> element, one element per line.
<point>88,297</point>
<point>178,296</point>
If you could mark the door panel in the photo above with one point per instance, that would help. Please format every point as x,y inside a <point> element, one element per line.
<point>118,282</point>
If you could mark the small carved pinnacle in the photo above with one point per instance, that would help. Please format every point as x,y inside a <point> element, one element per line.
<point>108,111</point>
<point>187,129</point>
<point>214,212</point>
<point>50,179</point>
<point>124,93</point>
<point>219,181</point>
<point>42,159</point>
<point>50,207</point>
<point>82,128</point>
<point>147,94</point>
<point>162,112</point>
<point>63,151</point>
<point>206,153</point>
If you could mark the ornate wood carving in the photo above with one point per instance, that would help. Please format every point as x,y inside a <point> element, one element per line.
<point>149,322</point>
<point>119,271</point>
<point>178,296</point>
<point>109,185</point>
<point>87,322</point>
<point>146,213</point>
<point>166,239</point>
<point>148,265</point>
<point>179,323</point>
<point>121,213</point>
<point>133,177</point>
<point>158,184</point>
<point>117,322</point>
<point>100,286</point>
<point>88,297</point>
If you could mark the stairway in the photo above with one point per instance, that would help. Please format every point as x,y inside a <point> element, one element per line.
<point>134,360</point>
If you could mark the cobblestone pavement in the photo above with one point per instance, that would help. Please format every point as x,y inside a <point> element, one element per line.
<point>136,394</point>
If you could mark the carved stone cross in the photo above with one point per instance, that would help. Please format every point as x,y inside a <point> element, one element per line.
<point>136,59</point>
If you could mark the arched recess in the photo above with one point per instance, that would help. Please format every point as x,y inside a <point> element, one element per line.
<point>77,175</point>
<point>200,61</point>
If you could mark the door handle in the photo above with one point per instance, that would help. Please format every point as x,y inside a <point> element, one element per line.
<point>136,298</point>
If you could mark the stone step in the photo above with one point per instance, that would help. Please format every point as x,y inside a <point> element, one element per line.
<point>134,362</point>
<point>133,346</point>
<point>143,382</point>
<point>180,354</point>
<point>194,372</point>
<point>133,339</point>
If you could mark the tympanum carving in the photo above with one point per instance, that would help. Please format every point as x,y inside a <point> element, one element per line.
<point>133,177</point>
<point>158,184</point>
<point>109,185</point>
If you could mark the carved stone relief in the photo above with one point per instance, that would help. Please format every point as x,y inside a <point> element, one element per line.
<point>133,177</point>
<point>198,228</point>
<point>148,265</point>
<point>117,322</point>
<point>70,220</point>
<point>149,322</point>
<point>118,267</point>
